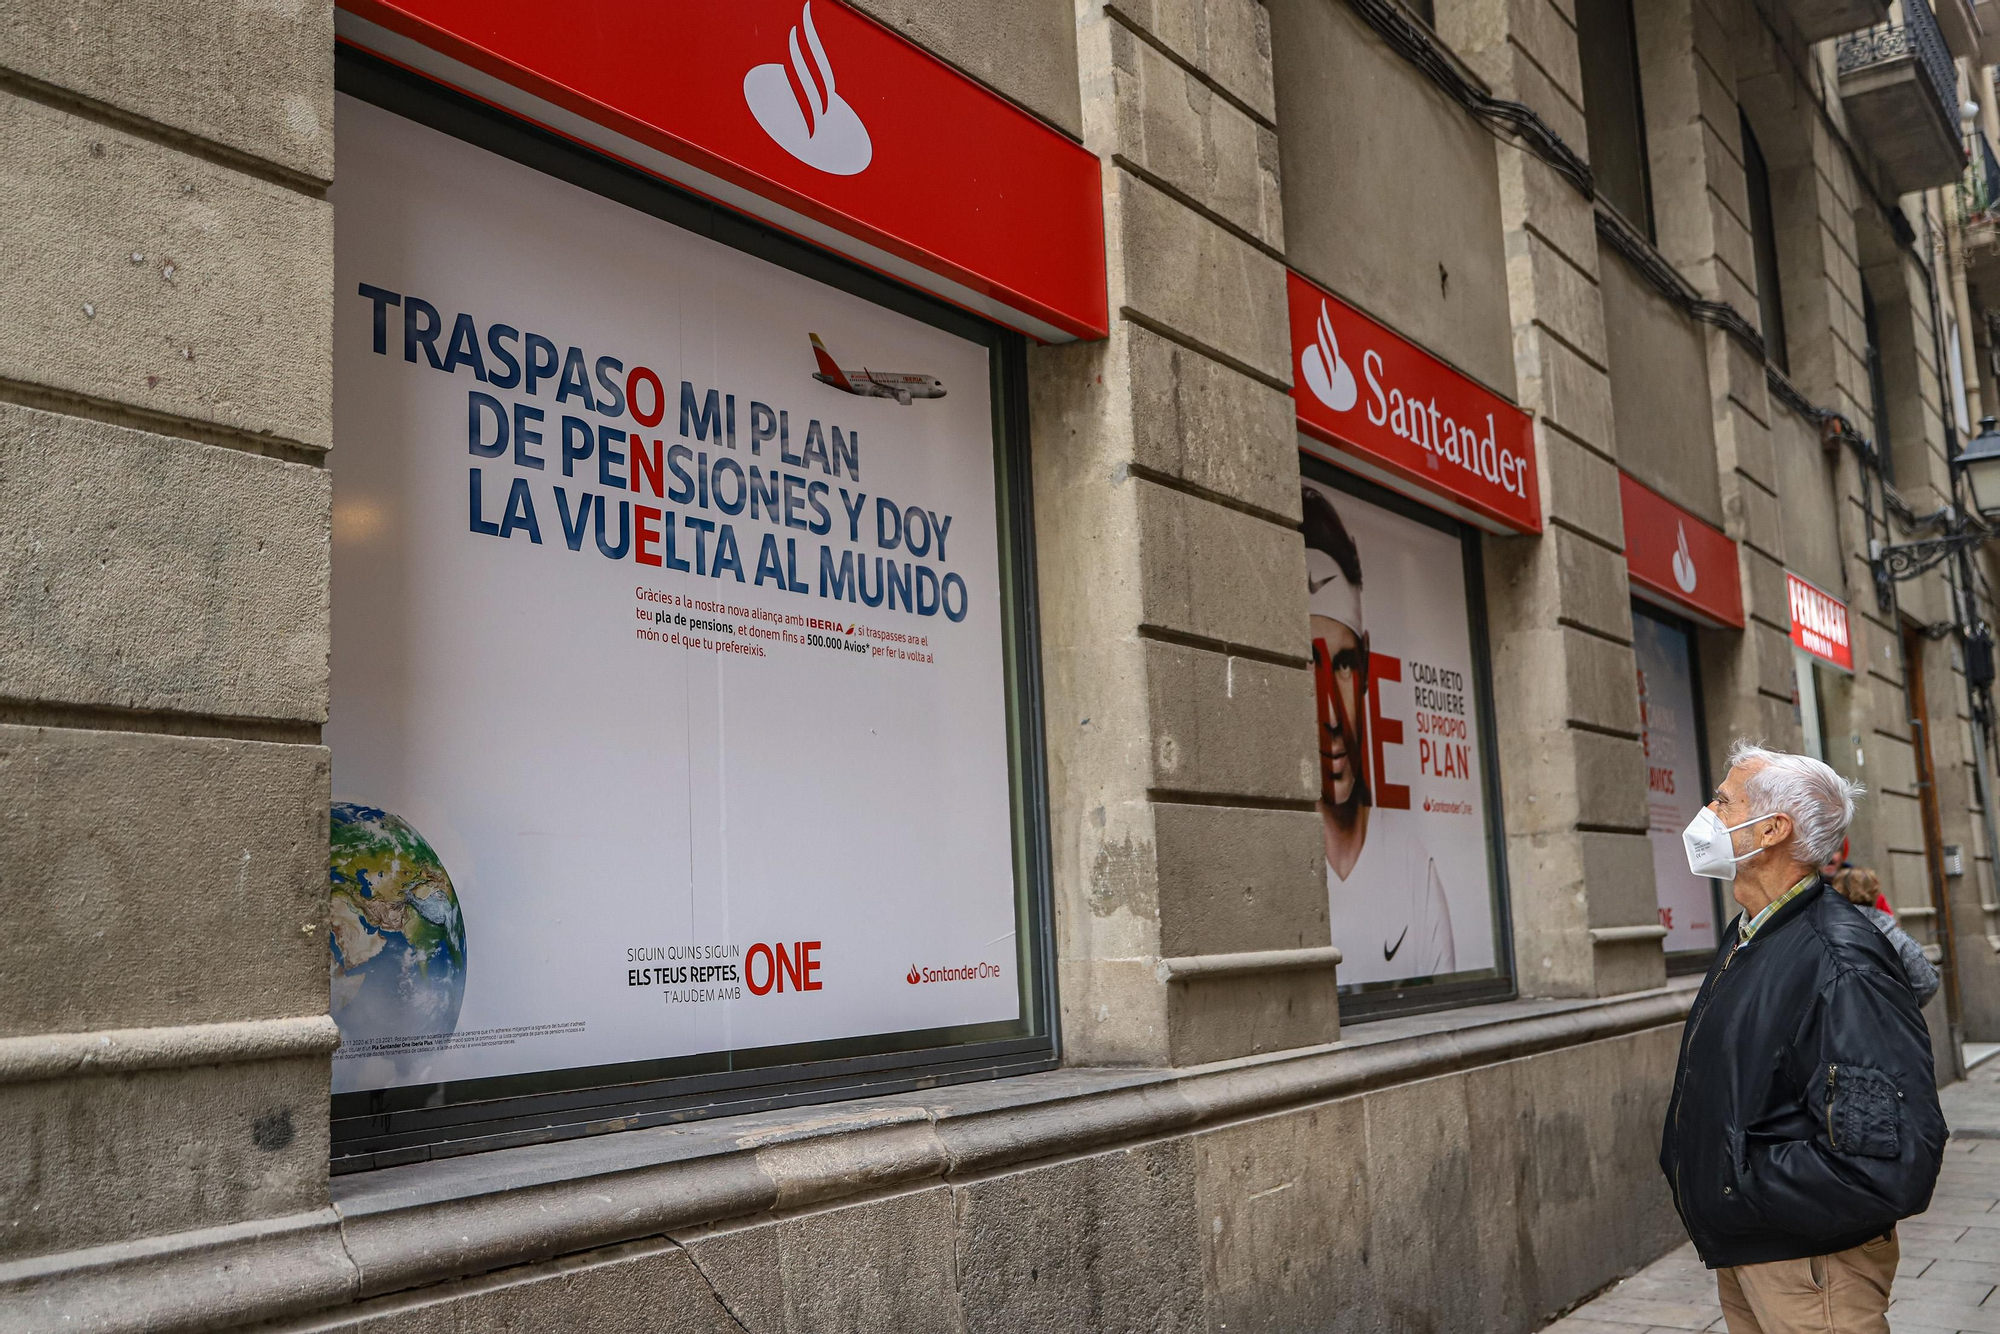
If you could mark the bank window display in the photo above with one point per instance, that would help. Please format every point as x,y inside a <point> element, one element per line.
<point>1672,736</point>
<point>1409,798</point>
<point>685,745</point>
<point>1807,705</point>
<point>1822,663</point>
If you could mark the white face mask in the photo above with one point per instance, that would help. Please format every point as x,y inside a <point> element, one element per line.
<point>1709,849</point>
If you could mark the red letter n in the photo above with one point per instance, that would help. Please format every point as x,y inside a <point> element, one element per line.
<point>648,465</point>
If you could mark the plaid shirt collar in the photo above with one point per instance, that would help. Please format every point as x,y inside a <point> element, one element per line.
<point>1749,928</point>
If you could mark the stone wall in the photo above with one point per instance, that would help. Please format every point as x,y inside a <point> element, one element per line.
<point>165,415</point>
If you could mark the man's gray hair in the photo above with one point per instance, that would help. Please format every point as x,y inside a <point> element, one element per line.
<point>1820,801</point>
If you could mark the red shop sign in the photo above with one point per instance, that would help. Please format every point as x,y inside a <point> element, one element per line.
<point>802,113</point>
<point>1679,561</point>
<point>1819,623</point>
<point>1389,410</point>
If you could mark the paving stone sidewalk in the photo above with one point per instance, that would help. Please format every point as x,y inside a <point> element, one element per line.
<point>1951,1255</point>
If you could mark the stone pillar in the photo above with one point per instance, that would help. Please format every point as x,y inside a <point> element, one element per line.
<point>1585,911</point>
<point>166,287</point>
<point>1190,891</point>
<point>1687,54</point>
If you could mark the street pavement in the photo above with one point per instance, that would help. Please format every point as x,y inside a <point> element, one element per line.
<point>1951,1254</point>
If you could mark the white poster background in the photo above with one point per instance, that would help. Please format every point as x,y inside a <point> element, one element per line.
<point>590,793</point>
<point>1674,791</point>
<point>1384,914</point>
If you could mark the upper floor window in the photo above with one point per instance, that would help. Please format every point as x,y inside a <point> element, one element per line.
<point>1607,44</point>
<point>1764,248</point>
<point>1878,389</point>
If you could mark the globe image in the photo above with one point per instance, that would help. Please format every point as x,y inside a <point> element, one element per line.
<point>398,967</point>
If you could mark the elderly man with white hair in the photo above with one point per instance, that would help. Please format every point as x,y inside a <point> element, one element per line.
<point>1804,1121</point>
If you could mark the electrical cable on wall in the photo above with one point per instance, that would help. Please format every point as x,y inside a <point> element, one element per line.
<point>1514,120</point>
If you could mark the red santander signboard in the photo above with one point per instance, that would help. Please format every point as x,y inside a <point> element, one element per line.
<point>1678,560</point>
<point>803,113</point>
<point>1384,407</point>
<point>1819,623</point>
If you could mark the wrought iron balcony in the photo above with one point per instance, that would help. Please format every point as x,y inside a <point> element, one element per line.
<point>1901,92</point>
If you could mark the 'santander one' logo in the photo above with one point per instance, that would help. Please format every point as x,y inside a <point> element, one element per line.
<point>1330,378</point>
<point>963,973</point>
<point>799,109</point>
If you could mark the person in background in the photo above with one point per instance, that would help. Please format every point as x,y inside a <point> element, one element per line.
<point>1863,888</point>
<point>1804,1119</point>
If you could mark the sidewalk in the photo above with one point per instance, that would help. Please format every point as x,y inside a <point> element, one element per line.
<point>1951,1255</point>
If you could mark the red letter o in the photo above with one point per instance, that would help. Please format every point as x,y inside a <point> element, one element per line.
<point>632,378</point>
<point>750,973</point>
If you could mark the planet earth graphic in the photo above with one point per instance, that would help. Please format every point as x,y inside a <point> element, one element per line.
<point>398,966</point>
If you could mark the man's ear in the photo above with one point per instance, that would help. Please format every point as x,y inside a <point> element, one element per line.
<point>1785,833</point>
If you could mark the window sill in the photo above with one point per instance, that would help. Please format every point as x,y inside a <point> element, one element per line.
<point>426,1222</point>
<point>406,1227</point>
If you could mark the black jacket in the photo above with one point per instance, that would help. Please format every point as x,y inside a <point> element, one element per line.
<point>1804,1118</point>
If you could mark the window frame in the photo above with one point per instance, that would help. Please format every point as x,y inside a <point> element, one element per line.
<point>1765,260</point>
<point>1363,1002</point>
<point>1680,963</point>
<point>1597,128</point>
<point>385,1127</point>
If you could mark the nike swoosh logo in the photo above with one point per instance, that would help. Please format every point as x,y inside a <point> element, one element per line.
<point>1314,585</point>
<point>1389,951</point>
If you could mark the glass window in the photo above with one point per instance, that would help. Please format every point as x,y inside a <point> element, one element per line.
<point>1409,803</point>
<point>1961,408</point>
<point>1671,734</point>
<point>1613,113</point>
<point>1764,249</point>
<point>1807,707</point>
<point>679,734</point>
<point>1878,392</point>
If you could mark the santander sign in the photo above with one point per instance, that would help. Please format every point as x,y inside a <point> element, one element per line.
<point>808,119</point>
<point>1382,406</point>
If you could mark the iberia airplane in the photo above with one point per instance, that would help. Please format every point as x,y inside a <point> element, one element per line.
<point>874,384</point>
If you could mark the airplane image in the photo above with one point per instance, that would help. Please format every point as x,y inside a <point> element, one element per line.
<point>899,385</point>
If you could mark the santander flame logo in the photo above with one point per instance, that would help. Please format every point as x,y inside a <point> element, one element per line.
<point>799,109</point>
<point>1330,378</point>
<point>1684,572</point>
<point>913,976</point>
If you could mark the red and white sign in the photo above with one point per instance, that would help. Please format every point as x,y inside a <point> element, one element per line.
<point>1819,623</point>
<point>1679,561</point>
<point>802,113</point>
<point>1384,407</point>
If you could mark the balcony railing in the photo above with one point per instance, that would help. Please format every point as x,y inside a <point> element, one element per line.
<point>1916,36</point>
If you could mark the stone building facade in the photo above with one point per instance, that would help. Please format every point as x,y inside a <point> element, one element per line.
<point>1749,294</point>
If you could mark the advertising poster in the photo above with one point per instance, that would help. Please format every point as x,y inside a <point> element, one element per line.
<point>1674,791</point>
<point>669,707</point>
<point>1402,796</point>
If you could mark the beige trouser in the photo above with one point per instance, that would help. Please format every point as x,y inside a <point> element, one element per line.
<point>1843,1293</point>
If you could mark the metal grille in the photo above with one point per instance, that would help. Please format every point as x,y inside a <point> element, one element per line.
<point>1917,36</point>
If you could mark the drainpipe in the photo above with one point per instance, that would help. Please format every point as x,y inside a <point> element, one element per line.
<point>1961,300</point>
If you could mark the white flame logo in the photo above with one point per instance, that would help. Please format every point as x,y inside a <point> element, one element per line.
<point>1330,378</point>
<point>810,121</point>
<point>1684,571</point>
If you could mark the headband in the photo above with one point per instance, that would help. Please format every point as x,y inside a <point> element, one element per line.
<point>1331,593</point>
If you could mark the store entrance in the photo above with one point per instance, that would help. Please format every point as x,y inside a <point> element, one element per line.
<point>1915,645</point>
